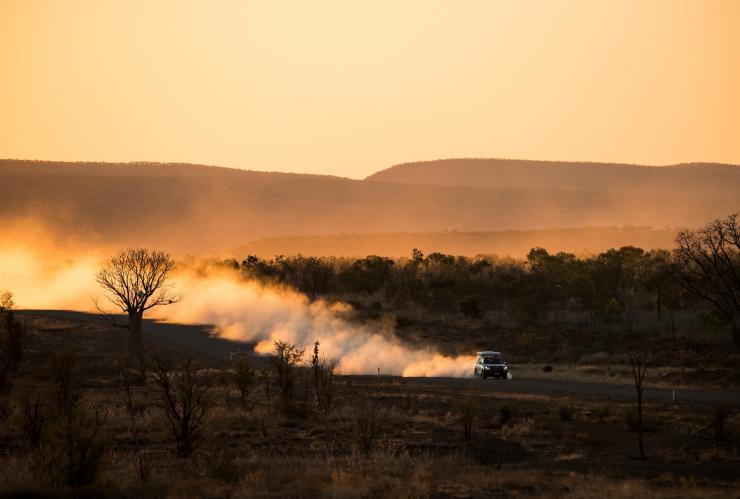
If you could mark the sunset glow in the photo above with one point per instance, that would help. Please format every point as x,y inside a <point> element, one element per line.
<point>348,88</point>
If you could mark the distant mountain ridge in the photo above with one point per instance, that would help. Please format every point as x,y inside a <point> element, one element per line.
<point>132,169</point>
<point>195,208</point>
<point>695,179</point>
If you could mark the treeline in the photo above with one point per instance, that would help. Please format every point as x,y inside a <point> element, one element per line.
<point>616,287</point>
<point>609,286</point>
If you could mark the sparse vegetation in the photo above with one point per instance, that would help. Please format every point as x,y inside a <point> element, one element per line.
<point>77,423</point>
<point>567,413</point>
<point>505,414</point>
<point>383,436</point>
<point>74,454</point>
<point>323,373</point>
<point>35,418</point>
<point>14,332</point>
<point>244,377</point>
<point>184,397</point>
<point>367,426</point>
<point>285,361</point>
<point>65,378</point>
<point>639,362</point>
<point>554,308</point>
<point>707,264</point>
<point>468,413</point>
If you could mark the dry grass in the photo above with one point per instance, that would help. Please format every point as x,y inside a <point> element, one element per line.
<point>420,448</point>
<point>620,374</point>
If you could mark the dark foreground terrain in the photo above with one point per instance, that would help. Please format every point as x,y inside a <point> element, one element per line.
<point>376,436</point>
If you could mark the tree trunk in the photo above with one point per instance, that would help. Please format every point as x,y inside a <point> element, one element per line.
<point>735,330</point>
<point>134,334</point>
<point>639,424</point>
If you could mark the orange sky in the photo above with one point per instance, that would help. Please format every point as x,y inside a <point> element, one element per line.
<point>351,87</point>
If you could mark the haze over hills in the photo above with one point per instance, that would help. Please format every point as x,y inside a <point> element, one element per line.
<point>195,208</point>
<point>516,244</point>
<point>690,179</point>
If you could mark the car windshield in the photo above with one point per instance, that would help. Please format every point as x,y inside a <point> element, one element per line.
<point>493,360</point>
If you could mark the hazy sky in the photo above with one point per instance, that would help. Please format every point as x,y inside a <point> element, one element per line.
<point>350,87</point>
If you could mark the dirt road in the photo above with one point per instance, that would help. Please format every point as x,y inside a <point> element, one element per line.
<point>201,340</point>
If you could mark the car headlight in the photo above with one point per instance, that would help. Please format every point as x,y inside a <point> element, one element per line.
<point>506,368</point>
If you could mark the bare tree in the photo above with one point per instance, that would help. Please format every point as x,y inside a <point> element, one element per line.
<point>707,264</point>
<point>136,280</point>
<point>14,330</point>
<point>65,379</point>
<point>285,359</point>
<point>133,410</point>
<point>367,423</point>
<point>244,376</point>
<point>76,449</point>
<point>185,399</point>
<point>639,360</point>
<point>323,370</point>
<point>34,418</point>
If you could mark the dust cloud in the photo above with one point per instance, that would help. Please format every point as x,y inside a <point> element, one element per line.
<point>42,277</point>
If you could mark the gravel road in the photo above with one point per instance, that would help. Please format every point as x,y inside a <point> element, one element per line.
<point>200,340</point>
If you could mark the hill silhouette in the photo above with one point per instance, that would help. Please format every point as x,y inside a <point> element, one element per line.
<point>194,208</point>
<point>690,179</point>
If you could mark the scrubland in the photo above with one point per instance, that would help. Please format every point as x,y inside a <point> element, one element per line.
<point>69,429</point>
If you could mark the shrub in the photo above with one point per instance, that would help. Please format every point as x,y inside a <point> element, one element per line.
<point>34,419</point>
<point>184,398</point>
<point>65,382</point>
<point>14,331</point>
<point>322,369</point>
<point>367,426</point>
<point>265,380</point>
<point>6,408</point>
<point>567,413</point>
<point>505,414</point>
<point>649,425</point>
<point>604,413</point>
<point>719,424</point>
<point>6,384</point>
<point>244,377</point>
<point>467,412</point>
<point>133,410</point>
<point>75,455</point>
<point>284,361</point>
